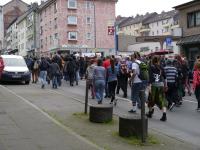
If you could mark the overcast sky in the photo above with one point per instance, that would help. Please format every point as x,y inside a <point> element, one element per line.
<point>133,7</point>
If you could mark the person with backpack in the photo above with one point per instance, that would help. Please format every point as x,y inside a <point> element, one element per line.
<point>196,84</point>
<point>136,84</point>
<point>44,65</point>
<point>158,87</point>
<point>89,77</point>
<point>35,70</point>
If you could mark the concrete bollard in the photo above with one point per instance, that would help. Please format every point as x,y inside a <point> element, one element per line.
<point>131,125</point>
<point>101,113</point>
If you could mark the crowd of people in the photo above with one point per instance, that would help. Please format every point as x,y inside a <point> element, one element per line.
<point>164,80</point>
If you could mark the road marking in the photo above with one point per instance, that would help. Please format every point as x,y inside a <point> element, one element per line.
<point>67,129</point>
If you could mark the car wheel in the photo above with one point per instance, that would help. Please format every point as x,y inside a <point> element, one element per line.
<point>27,82</point>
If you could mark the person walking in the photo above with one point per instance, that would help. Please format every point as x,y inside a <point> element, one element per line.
<point>55,71</point>
<point>111,77</point>
<point>136,84</point>
<point>44,65</point>
<point>35,70</point>
<point>71,66</point>
<point>158,87</point>
<point>196,84</point>
<point>89,77</point>
<point>171,76</point>
<point>99,77</point>
<point>123,80</point>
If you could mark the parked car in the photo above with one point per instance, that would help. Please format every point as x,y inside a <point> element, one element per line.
<point>14,68</point>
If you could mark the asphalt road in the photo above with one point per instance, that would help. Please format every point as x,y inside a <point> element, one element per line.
<point>183,122</point>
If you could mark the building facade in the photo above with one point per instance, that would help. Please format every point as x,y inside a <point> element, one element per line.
<point>158,27</point>
<point>28,32</point>
<point>77,26</point>
<point>190,23</point>
<point>1,27</point>
<point>10,12</point>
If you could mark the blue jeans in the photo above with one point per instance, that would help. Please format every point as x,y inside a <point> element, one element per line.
<point>135,93</point>
<point>99,89</point>
<point>54,82</point>
<point>43,77</point>
<point>77,76</point>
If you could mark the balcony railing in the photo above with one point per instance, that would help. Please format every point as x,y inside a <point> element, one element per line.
<point>144,29</point>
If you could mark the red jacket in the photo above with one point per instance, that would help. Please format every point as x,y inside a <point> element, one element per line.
<point>106,63</point>
<point>196,78</point>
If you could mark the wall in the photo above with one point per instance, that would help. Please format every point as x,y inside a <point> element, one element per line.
<point>152,47</point>
<point>183,21</point>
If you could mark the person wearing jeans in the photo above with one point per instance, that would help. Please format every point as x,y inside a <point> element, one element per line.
<point>112,72</point>
<point>44,65</point>
<point>99,77</point>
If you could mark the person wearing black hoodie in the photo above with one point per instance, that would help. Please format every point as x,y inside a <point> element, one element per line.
<point>71,70</point>
<point>43,67</point>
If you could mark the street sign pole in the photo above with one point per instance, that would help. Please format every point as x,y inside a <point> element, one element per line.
<point>86,97</point>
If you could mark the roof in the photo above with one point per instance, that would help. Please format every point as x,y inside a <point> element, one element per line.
<point>45,4</point>
<point>138,19</point>
<point>189,40</point>
<point>188,4</point>
<point>162,16</point>
<point>12,1</point>
<point>33,8</point>
<point>12,22</point>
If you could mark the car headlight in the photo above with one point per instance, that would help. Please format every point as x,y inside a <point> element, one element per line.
<point>5,72</point>
<point>26,72</point>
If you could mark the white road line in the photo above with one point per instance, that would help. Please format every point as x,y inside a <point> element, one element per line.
<point>67,129</point>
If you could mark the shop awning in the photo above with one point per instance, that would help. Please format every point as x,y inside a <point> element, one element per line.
<point>195,39</point>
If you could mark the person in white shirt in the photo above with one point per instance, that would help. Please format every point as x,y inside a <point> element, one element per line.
<point>136,84</point>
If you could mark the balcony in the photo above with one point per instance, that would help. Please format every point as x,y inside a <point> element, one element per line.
<point>167,33</point>
<point>29,34</point>
<point>145,29</point>
<point>166,25</point>
<point>173,26</point>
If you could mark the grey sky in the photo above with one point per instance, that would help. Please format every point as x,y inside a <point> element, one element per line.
<point>133,7</point>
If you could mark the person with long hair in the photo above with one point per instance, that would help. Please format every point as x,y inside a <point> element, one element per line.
<point>196,84</point>
<point>99,77</point>
<point>158,87</point>
<point>111,77</point>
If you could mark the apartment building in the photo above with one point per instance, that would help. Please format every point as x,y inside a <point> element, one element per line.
<point>190,23</point>
<point>8,13</point>
<point>28,32</point>
<point>77,26</point>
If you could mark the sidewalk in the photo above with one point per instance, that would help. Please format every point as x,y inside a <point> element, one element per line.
<point>67,111</point>
<point>25,127</point>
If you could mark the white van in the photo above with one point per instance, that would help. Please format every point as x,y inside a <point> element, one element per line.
<point>14,68</point>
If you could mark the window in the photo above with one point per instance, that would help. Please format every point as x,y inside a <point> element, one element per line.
<point>72,20</point>
<point>72,4</point>
<point>88,20</point>
<point>41,30</point>
<point>72,35</point>
<point>193,19</point>
<point>88,36</point>
<point>50,39</point>
<point>88,4</point>
<point>56,36</point>
<point>55,7</point>
<point>41,43</point>
<point>55,23</point>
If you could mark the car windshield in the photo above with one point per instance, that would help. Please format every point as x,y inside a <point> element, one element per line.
<point>14,62</point>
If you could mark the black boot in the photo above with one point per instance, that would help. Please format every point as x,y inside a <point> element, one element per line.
<point>164,117</point>
<point>150,113</point>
